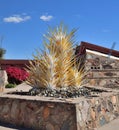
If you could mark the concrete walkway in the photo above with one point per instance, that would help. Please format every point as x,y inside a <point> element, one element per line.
<point>21,87</point>
<point>4,126</point>
<point>113,125</point>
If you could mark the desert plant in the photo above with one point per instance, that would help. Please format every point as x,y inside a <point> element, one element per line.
<point>56,67</point>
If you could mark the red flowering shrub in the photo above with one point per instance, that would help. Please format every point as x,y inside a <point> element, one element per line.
<point>16,75</point>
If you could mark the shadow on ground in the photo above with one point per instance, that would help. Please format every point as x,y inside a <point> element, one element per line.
<point>10,126</point>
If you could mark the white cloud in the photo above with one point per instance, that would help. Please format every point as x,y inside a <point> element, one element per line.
<point>46,17</point>
<point>16,18</point>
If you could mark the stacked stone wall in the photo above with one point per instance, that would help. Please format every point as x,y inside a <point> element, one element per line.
<point>39,115</point>
<point>54,114</point>
<point>103,71</point>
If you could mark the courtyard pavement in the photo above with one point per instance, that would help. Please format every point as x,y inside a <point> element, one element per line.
<point>113,125</point>
<point>4,126</point>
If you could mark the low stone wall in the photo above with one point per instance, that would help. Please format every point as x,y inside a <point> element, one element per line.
<point>37,114</point>
<point>43,113</point>
<point>97,112</point>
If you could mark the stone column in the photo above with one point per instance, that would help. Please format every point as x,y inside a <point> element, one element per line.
<point>3,80</point>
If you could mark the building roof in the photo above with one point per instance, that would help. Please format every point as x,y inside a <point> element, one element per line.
<point>85,45</point>
<point>13,62</point>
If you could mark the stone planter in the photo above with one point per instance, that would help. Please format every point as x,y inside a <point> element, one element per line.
<point>48,113</point>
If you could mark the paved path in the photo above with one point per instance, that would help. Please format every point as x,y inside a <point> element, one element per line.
<point>4,126</point>
<point>113,125</point>
<point>21,87</point>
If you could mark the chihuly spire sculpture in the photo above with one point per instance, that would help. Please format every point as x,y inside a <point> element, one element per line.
<point>56,66</point>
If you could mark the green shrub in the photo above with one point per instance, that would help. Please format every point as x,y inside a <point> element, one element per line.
<point>10,85</point>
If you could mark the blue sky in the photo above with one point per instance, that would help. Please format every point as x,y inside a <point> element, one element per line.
<point>23,23</point>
